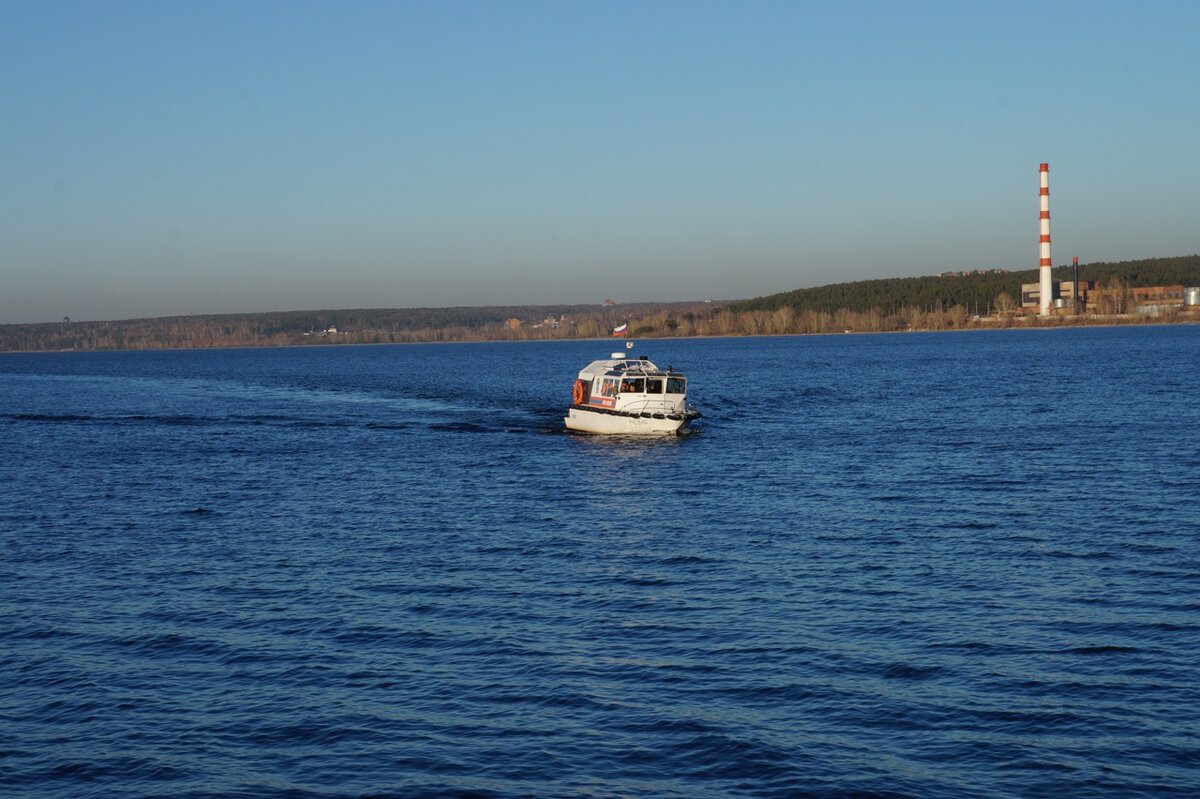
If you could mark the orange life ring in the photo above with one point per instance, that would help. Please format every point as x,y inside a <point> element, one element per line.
<point>577,392</point>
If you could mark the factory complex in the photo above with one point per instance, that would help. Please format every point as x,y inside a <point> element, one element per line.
<point>1072,297</point>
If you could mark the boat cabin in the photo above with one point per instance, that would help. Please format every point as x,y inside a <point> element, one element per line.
<point>607,384</point>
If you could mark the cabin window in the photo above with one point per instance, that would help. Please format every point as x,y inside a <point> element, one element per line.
<point>609,387</point>
<point>635,385</point>
<point>676,385</point>
<point>654,385</point>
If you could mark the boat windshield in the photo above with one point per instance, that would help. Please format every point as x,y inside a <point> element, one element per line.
<point>676,385</point>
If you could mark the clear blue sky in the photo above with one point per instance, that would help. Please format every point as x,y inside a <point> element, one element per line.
<point>204,157</point>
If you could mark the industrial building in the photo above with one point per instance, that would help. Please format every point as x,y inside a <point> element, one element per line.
<point>1094,299</point>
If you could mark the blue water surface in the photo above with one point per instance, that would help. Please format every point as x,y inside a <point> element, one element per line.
<point>916,565</point>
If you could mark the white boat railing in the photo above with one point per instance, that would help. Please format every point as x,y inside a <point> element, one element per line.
<point>650,406</point>
<point>638,367</point>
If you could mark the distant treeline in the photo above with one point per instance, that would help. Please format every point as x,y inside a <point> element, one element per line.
<point>916,303</point>
<point>975,292</point>
<point>360,326</point>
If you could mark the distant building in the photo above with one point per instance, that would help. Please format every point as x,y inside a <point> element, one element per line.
<point>513,324</point>
<point>1094,299</point>
<point>1149,300</point>
<point>1064,290</point>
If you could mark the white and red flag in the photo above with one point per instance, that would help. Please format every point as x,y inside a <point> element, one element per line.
<point>621,329</point>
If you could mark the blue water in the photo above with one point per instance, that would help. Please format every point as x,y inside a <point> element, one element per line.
<point>926,565</point>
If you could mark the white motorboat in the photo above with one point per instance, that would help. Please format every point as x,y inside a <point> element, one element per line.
<point>629,396</point>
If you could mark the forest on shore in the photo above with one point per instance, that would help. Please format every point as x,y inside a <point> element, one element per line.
<point>952,301</point>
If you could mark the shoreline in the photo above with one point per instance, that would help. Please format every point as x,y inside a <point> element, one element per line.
<point>978,328</point>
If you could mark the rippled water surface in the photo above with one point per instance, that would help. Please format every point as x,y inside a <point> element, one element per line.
<point>938,565</point>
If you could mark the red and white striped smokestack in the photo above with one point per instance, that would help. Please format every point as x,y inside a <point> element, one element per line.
<point>1044,243</point>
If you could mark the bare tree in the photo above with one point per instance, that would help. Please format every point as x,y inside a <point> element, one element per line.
<point>1004,304</point>
<point>781,319</point>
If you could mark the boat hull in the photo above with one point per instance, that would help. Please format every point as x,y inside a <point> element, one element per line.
<point>586,420</point>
